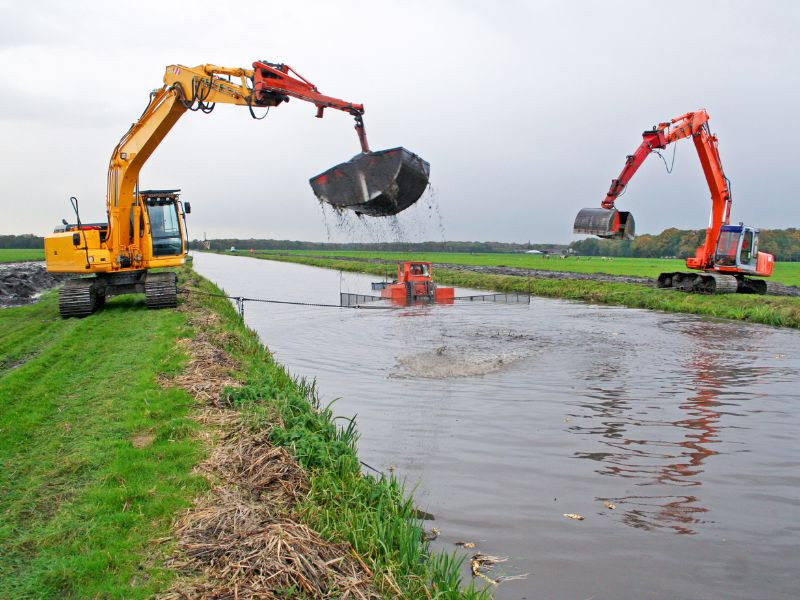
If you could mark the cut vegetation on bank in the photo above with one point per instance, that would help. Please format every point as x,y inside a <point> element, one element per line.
<point>164,453</point>
<point>768,310</point>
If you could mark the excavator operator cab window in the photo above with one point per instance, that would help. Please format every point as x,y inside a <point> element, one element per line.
<point>165,228</point>
<point>728,246</point>
<point>419,270</point>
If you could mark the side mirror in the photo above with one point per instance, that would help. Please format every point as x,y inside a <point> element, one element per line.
<point>76,239</point>
<point>187,208</point>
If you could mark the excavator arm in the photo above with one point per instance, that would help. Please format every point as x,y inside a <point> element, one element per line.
<point>377,183</point>
<point>197,88</point>
<point>740,253</point>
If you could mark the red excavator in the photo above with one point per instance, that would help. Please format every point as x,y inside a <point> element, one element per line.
<point>729,256</point>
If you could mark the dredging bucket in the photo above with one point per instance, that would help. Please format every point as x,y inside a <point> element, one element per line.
<point>606,223</point>
<point>378,184</point>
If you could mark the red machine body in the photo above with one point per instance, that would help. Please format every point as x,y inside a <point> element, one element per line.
<point>414,283</point>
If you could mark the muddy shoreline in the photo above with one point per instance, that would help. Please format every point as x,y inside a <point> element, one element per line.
<point>22,282</point>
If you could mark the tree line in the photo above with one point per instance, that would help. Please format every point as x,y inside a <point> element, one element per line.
<point>473,247</point>
<point>21,241</point>
<point>681,243</point>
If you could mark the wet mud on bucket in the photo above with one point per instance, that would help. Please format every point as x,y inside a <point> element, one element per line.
<point>378,184</point>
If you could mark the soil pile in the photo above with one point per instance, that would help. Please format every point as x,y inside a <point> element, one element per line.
<point>20,283</point>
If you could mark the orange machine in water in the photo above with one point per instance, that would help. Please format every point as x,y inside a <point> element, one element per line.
<point>414,284</point>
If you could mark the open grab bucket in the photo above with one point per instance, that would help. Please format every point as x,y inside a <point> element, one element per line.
<point>378,184</point>
<point>606,223</point>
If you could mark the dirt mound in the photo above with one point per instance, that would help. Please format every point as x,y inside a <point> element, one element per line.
<point>20,283</point>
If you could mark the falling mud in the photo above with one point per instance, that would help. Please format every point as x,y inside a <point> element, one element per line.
<point>434,213</point>
<point>423,220</point>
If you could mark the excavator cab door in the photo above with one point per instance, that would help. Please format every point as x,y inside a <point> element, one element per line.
<point>737,246</point>
<point>748,253</point>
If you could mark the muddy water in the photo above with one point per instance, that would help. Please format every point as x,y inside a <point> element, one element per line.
<point>509,416</point>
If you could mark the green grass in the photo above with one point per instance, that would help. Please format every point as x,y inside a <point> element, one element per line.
<point>768,310</point>
<point>20,254</point>
<point>80,505</point>
<point>788,273</point>
<point>86,514</point>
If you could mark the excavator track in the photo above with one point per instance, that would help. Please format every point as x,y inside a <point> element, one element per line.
<point>79,298</point>
<point>161,290</point>
<point>699,283</point>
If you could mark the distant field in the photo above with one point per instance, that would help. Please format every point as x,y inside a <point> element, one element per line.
<point>769,310</point>
<point>788,273</point>
<point>19,254</point>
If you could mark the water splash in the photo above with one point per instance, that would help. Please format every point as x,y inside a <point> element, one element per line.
<point>446,363</point>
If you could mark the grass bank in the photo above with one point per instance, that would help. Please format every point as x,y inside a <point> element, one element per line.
<point>768,310</point>
<point>787,273</point>
<point>21,254</point>
<point>98,456</point>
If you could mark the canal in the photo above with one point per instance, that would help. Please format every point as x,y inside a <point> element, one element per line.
<point>506,417</point>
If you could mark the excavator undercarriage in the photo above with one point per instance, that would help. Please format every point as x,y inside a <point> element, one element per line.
<point>81,296</point>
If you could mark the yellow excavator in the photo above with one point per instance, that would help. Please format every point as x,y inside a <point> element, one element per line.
<point>146,229</point>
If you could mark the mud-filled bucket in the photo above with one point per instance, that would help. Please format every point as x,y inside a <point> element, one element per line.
<point>606,223</point>
<point>378,184</point>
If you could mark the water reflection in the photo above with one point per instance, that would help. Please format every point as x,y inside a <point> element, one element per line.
<point>641,449</point>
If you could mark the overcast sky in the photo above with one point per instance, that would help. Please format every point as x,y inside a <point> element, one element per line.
<point>525,110</point>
